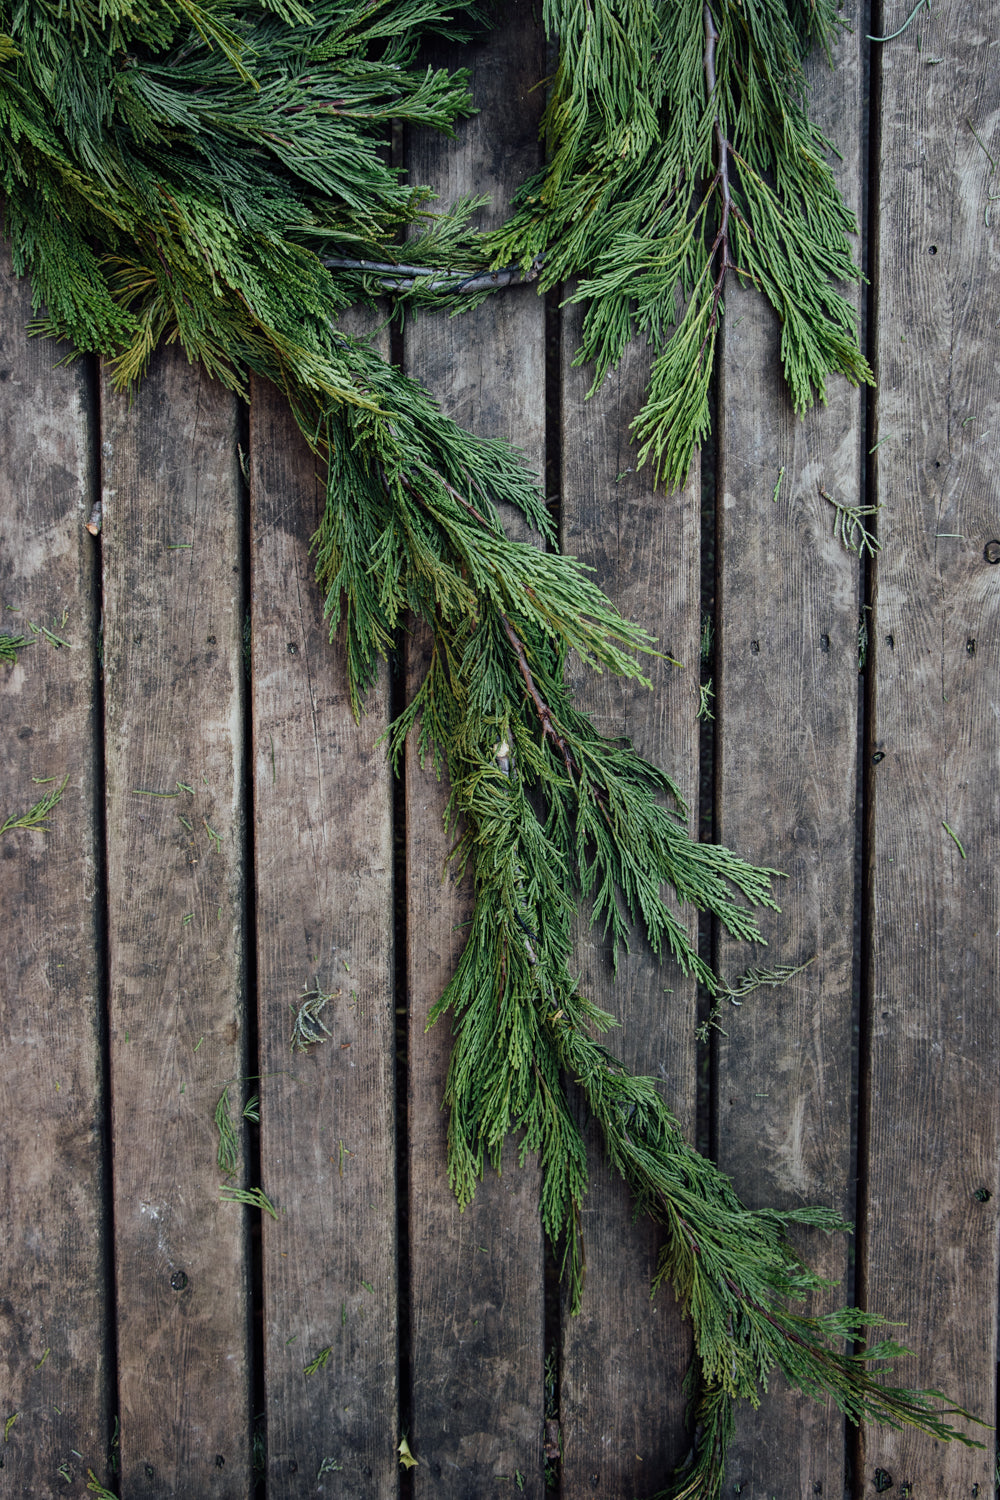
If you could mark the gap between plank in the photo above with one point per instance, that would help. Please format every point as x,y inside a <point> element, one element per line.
<point>110,1333</point>
<point>257,1414</point>
<point>861,1071</point>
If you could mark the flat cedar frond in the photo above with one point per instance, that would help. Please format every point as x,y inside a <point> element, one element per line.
<point>673,166</point>
<point>173,172</point>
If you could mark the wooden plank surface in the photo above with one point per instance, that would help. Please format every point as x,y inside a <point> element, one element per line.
<point>930,1249</point>
<point>476,1279</point>
<point>625,1355</point>
<point>54,1368</point>
<point>173,640</point>
<point>323,852</point>
<point>786,677</point>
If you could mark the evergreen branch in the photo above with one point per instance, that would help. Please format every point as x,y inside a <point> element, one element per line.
<point>213,174</point>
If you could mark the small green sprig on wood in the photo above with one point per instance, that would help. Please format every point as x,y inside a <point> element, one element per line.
<point>249,1197</point>
<point>12,645</point>
<point>36,816</point>
<point>308,1026</point>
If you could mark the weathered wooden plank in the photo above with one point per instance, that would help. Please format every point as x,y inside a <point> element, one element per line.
<point>476,1279</point>
<point>323,855</point>
<point>173,696</point>
<point>53,1332</point>
<point>625,1355</point>
<point>787,680</point>
<point>930,1247</point>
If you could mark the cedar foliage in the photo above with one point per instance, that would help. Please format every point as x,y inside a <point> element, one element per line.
<point>213,174</point>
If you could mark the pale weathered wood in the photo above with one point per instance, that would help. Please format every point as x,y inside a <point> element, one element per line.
<point>625,1355</point>
<point>323,852</point>
<point>173,640</point>
<point>53,1314</point>
<point>476,1278</point>
<point>930,1249</point>
<point>787,706</point>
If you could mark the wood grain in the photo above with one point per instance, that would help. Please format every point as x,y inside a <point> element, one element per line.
<point>476,1278</point>
<point>625,1355</point>
<point>173,644</point>
<point>787,710</point>
<point>930,1248</point>
<point>323,850</point>
<point>53,1315</point>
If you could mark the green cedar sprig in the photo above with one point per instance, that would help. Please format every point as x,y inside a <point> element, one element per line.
<point>680,153</point>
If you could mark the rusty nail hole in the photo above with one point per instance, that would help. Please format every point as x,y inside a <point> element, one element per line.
<point>179,1281</point>
<point>883,1481</point>
<point>878,757</point>
<point>991,552</point>
<point>755,648</point>
<point>970,646</point>
<point>982,1195</point>
<point>220,1462</point>
<point>293,650</point>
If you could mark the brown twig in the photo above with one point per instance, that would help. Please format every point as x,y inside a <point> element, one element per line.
<point>393,278</point>
<point>457,497</point>
<point>724,148</point>
<point>542,709</point>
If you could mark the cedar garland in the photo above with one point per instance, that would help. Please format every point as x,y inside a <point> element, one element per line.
<point>210,173</point>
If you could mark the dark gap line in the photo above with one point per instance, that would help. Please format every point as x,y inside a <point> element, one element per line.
<point>867,723</point>
<point>552,478</point>
<point>257,1414</point>
<point>397,702</point>
<point>552,1290</point>
<point>401,988</point>
<point>106,1185</point>
<point>709,747</point>
<point>853,1469</point>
